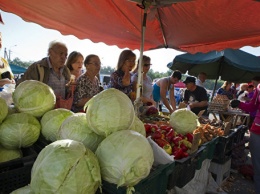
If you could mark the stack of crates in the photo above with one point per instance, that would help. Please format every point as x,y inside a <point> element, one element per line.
<point>224,146</point>
<point>185,169</point>
<point>155,183</point>
<point>16,173</point>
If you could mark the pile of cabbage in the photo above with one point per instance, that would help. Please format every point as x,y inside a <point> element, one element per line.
<point>108,142</point>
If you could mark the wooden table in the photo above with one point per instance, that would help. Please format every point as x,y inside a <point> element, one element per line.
<point>232,116</point>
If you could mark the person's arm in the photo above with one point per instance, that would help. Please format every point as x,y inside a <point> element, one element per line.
<point>172,98</point>
<point>163,92</point>
<point>6,81</point>
<point>126,80</point>
<point>199,104</point>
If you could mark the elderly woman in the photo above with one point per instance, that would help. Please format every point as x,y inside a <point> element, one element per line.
<point>121,78</point>
<point>87,85</point>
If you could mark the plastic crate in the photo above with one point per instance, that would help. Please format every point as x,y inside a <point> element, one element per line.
<point>17,173</point>
<point>239,133</point>
<point>208,152</point>
<point>40,143</point>
<point>223,150</point>
<point>184,170</point>
<point>155,183</point>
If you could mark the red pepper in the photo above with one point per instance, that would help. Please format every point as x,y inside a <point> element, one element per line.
<point>165,145</point>
<point>147,127</point>
<point>169,136</point>
<point>189,137</point>
<point>154,127</point>
<point>156,135</point>
<point>176,140</point>
<point>178,154</point>
<point>166,128</point>
<point>183,147</point>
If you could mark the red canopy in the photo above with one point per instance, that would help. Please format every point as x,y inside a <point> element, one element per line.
<point>193,26</point>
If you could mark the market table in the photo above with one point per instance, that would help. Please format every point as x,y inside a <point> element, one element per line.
<point>232,116</point>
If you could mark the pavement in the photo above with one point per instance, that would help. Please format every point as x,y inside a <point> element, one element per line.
<point>238,182</point>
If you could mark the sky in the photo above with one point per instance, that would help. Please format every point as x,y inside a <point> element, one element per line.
<point>29,42</point>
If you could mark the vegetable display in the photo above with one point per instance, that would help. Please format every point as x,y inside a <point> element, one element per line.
<point>65,167</point>
<point>125,157</point>
<point>4,109</point>
<point>34,97</point>
<point>51,122</point>
<point>75,127</point>
<point>19,130</point>
<point>109,111</point>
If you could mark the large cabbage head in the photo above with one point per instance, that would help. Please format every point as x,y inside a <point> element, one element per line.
<point>125,158</point>
<point>109,111</point>
<point>34,97</point>
<point>65,167</point>
<point>183,121</point>
<point>4,109</point>
<point>19,130</point>
<point>9,154</point>
<point>138,126</point>
<point>75,127</point>
<point>51,122</point>
<point>23,190</point>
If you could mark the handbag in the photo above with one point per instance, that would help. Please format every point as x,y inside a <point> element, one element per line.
<point>66,103</point>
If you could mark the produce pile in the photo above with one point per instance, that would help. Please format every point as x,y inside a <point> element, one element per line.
<point>107,142</point>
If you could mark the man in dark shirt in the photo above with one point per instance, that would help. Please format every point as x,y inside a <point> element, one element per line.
<point>195,96</point>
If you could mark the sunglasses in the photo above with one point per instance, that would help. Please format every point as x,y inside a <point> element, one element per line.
<point>146,65</point>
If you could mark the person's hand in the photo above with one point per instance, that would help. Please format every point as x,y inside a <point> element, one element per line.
<point>234,103</point>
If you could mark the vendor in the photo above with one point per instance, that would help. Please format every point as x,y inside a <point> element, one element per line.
<point>195,96</point>
<point>6,75</point>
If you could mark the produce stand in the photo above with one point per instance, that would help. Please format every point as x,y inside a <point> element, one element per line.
<point>17,173</point>
<point>155,183</point>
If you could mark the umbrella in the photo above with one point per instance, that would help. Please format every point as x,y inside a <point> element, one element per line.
<point>17,69</point>
<point>230,64</point>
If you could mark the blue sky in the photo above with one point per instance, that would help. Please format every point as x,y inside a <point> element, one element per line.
<point>29,42</point>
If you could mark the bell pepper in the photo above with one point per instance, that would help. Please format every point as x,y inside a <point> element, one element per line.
<point>176,141</point>
<point>186,143</point>
<point>170,135</point>
<point>156,135</point>
<point>184,147</point>
<point>189,137</point>
<point>165,145</point>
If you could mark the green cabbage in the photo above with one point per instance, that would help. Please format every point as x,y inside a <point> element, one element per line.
<point>51,122</point>
<point>4,109</point>
<point>23,190</point>
<point>183,121</point>
<point>34,97</point>
<point>125,158</point>
<point>7,154</point>
<point>109,111</point>
<point>65,167</point>
<point>75,127</point>
<point>138,126</point>
<point>19,130</point>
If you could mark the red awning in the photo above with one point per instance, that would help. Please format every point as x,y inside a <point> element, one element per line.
<point>193,26</point>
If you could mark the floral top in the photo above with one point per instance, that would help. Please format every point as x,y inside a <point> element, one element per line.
<point>116,82</point>
<point>85,89</point>
<point>229,93</point>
